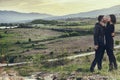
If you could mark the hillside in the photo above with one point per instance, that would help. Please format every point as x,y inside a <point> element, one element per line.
<point>12,16</point>
<point>44,42</point>
<point>93,14</point>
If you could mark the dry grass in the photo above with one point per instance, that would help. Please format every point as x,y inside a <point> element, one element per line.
<point>72,44</point>
<point>34,34</point>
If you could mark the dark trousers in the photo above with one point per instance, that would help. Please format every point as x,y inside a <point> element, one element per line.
<point>99,53</point>
<point>111,56</point>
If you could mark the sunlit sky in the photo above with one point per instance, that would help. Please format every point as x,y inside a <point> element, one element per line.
<point>56,7</point>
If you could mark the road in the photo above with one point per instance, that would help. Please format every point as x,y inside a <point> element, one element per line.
<point>69,57</point>
<point>81,55</point>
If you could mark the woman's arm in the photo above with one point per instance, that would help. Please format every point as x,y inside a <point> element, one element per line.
<point>113,30</point>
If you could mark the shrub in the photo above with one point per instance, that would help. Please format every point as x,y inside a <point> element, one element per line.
<point>70,34</point>
<point>6,32</point>
<point>118,58</point>
<point>74,33</point>
<point>117,42</point>
<point>40,21</point>
<point>51,53</point>
<point>66,34</point>
<point>33,45</point>
<point>18,42</point>
<point>55,63</point>
<point>1,36</point>
<point>29,40</point>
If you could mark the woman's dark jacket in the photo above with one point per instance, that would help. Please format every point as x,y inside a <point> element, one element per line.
<point>108,34</point>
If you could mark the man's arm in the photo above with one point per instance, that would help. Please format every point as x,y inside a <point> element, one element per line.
<point>96,36</point>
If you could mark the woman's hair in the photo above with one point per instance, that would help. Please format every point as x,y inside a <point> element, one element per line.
<point>113,18</point>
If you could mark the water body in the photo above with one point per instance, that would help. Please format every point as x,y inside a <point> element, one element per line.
<point>8,27</point>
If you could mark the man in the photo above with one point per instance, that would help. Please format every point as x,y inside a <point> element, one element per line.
<point>99,42</point>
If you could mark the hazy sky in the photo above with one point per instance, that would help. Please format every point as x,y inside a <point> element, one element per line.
<point>56,7</point>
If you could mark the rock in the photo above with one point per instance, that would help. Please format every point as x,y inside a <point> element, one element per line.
<point>5,78</point>
<point>95,77</point>
<point>10,75</point>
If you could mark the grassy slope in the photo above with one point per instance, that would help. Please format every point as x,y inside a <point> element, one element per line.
<point>44,40</point>
<point>81,64</point>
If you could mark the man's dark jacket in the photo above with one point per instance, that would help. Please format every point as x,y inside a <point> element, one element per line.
<point>99,35</point>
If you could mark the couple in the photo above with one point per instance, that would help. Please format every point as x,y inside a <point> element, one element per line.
<point>103,40</point>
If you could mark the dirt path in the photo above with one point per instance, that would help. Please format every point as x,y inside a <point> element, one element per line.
<point>81,55</point>
<point>69,57</point>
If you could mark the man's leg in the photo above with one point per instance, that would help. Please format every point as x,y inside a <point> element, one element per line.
<point>101,54</point>
<point>95,61</point>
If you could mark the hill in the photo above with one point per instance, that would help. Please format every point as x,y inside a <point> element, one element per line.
<point>93,14</point>
<point>12,16</point>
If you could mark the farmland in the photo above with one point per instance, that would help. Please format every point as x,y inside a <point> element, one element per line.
<point>43,42</point>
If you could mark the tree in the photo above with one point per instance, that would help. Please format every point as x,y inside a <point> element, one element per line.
<point>1,36</point>
<point>3,52</point>
<point>29,40</point>
<point>18,42</point>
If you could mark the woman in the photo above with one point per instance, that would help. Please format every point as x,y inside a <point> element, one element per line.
<point>109,35</point>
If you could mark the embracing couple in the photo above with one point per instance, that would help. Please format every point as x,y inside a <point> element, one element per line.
<point>104,33</point>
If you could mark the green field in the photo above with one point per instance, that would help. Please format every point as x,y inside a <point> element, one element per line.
<point>41,43</point>
<point>44,40</point>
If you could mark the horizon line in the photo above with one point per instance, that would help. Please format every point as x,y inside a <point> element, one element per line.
<point>57,15</point>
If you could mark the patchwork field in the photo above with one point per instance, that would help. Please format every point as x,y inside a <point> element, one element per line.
<point>48,42</point>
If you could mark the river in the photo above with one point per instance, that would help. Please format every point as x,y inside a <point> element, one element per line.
<point>8,27</point>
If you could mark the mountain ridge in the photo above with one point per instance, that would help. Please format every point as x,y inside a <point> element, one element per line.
<point>14,16</point>
<point>93,13</point>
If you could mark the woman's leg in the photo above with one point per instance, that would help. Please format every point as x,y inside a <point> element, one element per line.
<point>111,56</point>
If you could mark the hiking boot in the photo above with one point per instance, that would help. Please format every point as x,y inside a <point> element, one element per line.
<point>115,66</point>
<point>91,69</point>
<point>99,67</point>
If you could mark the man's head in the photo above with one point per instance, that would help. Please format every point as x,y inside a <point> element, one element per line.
<point>100,18</point>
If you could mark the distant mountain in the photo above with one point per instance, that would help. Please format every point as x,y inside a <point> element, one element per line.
<point>12,16</point>
<point>93,14</point>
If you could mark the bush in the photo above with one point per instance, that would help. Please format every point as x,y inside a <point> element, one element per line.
<point>74,33</point>
<point>33,45</point>
<point>118,58</point>
<point>29,40</point>
<point>70,34</point>
<point>40,21</point>
<point>66,34</point>
<point>55,63</point>
<point>51,53</point>
<point>18,42</point>
<point>1,36</point>
<point>117,42</point>
<point>6,32</point>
